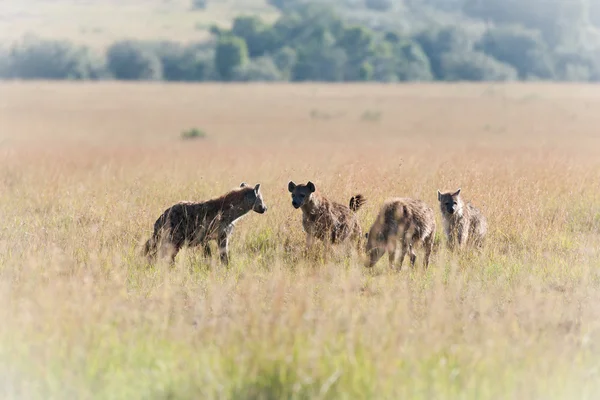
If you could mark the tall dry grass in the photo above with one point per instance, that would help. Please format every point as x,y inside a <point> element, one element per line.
<point>86,169</point>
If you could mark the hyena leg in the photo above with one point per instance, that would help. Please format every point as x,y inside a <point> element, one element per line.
<point>413,256</point>
<point>403,249</point>
<point>206,249</point>
<point>450,240</point>
<point>174,252</point>
<point>392,253</point>
<point>309,241</point>
<point>309,244</point>
<point>428,245</point>
<point>463,236</point>
<point>223,244</point>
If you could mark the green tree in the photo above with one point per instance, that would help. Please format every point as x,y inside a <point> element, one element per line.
<point>34,58</point>
<point>285,59</point>
<point>308,25</point>
<point>261,69</point>
<point>436,43</point>
<point>326,63</point>
<point>260,37</point>
<point>522,48</point>
<point>412,64</point>
<point>475,66</point>
<point>552,18</point>
<point>183,63</point>
<point>358,43</point>
<point>231,52</point>
<point>129,60</point>
<point>366,71</point>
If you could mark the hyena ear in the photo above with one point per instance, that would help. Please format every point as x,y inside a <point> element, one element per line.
<point>311,186</point>
<point>457,192</point>
<point>439,195</point>
<point>291,186</point>
<point>244,184</point>
<point>257,188</point>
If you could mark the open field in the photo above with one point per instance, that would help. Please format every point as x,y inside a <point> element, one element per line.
<point>85,169</point>
<point>99,23</point>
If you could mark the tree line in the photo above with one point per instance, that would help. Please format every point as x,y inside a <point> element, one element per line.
<point>497,40</point>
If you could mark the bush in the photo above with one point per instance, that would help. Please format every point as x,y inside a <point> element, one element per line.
<point>193,133</point>
<point>34,58</point>
<point>522,48</point>
<point>412,63</point>
<point>577,65</point>
<point>436,43</point>
<point>285,59</point>
<point>259,37</point>
<point>261,69</point>
<point>128,60</point>
<point>475,66</point>
<point>184,63</point>
<point>231,52</point>
<point>323,64</point>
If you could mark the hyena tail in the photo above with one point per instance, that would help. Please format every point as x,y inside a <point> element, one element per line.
<point>357,202</point>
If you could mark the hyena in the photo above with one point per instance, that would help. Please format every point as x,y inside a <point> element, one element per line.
<point>197,223</point>
<point>401,221</point>
<point>326,220</point>
<point>463,223</point>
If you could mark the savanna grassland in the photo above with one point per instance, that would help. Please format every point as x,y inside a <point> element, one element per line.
<point>85,170</point>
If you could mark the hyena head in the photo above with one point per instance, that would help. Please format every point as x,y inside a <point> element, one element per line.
<point>254,198</point>
<point>450,202</point>
<point>300,193</point>
<point>375,246</point>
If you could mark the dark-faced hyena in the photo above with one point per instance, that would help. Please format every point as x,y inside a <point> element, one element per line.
<point>463,223</point>
<point>196,223</point>
<point>404,223</point>
<point>326,220</point>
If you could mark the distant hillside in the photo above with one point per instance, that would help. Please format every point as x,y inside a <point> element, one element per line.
<point>98,23</point>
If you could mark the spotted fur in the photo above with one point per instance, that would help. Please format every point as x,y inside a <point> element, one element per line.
<point>464,224</point>
<point>197,223</point>
<point>402,223</point>
<point>324,219</point>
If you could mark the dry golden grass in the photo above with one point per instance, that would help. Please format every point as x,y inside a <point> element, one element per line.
<point>87,168</point>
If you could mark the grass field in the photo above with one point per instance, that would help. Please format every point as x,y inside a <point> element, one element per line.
<point>99,23</point>
<point>85,169</point>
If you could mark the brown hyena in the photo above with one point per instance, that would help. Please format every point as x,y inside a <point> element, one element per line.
<point>196,223</point>
<point>405,222</point>
<point>463,223</point>
<point>326,220</point>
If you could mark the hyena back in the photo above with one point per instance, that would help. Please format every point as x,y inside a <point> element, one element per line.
<point>197,223</point>
<point>401,221</point>
<point>463,223</point>
<point>324,219</point>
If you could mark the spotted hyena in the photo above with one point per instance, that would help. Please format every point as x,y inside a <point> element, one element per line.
<point>324,219</point>
<point>404,223</point>
<point>463,223</point>
<point>197,223</point>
